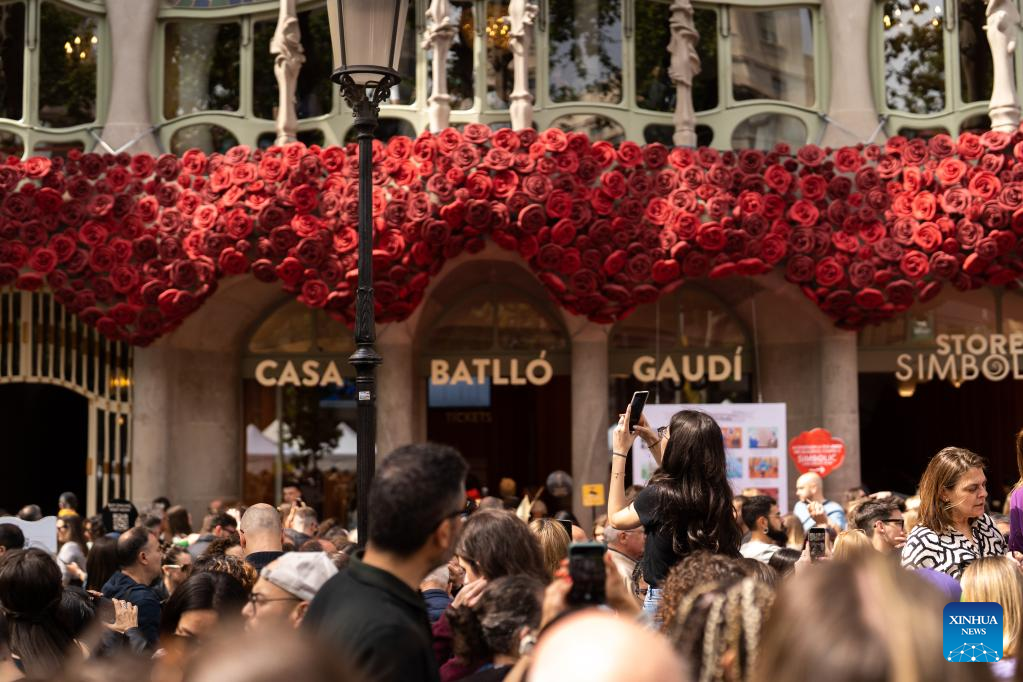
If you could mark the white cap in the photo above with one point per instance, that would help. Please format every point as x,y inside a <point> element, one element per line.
<point>300,573</point>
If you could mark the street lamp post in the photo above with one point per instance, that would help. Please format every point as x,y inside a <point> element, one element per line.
<point>366,36</point>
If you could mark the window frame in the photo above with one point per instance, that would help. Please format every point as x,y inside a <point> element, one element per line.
<point>956,111</point>
<point>29,127</point>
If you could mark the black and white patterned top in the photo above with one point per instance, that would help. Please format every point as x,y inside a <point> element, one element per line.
<point>950,552</point>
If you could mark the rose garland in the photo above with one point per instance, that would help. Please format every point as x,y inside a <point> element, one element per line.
<point>133,244</point>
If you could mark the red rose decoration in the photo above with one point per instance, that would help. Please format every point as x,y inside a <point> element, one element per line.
<point>829,272</point>
<point>914,264</point>
<point>804,213</point>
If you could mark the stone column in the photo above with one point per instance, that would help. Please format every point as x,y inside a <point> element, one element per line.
<point>438,36</point>
<point>685,64</point>
<point>840,406</point>
<point>522,15</point>
<point>1002,33</point>
<point>286,46</point>
<point>131,25</point>
<point>395,388</point>
<point>851,100</point>
<point>151,420</point>
<point>589,413</point>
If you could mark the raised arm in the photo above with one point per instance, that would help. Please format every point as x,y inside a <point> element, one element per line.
<point>620,515</point>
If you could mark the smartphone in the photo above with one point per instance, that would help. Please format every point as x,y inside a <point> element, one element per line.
<point>638,403</point>
<point>567,525</point>
<point>816,538</point>
<point>586,567</point>
<point>104,609</point>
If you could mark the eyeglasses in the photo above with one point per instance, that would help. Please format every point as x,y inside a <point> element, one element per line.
<point>258,600</point>
<point>899,522</point>
<point>662,431</point>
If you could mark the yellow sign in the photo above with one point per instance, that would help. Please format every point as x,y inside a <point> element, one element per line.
<point>593,495</point>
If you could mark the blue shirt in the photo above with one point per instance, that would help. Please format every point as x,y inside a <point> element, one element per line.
<point>833,509</point>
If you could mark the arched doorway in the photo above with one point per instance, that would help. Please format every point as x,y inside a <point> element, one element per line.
<point>495,361</point>
<point>299,409</point>
<point>65,406</point>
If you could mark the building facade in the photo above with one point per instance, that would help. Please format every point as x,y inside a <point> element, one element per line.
<point>254,375</point>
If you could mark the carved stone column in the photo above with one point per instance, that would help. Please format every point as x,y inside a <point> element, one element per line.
<point>438,36</point>
<point>286,46</point>
<point>521,14</point>
<point>1002,27</point>
<point>685,64</point>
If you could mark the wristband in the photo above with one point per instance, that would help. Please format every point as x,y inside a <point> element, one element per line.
<point>618,454</point>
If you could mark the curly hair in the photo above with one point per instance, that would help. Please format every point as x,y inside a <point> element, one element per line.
<point>696,569</point>
<point>715,619</point>
<point>492,626</point>
<point>232,566</point>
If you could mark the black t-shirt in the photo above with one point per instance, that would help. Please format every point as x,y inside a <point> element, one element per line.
<point>658,553</point>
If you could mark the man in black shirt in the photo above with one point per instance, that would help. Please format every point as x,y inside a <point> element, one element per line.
<point>374,610</point>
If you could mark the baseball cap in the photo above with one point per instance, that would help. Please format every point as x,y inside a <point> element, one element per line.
<point>300,573</point>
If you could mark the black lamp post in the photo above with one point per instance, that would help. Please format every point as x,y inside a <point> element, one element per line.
<point>367,38</point>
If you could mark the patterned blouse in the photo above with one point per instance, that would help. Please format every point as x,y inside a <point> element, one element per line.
<point>950,552</point>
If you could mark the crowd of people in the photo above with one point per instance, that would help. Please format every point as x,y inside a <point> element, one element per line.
<point>698,584</point>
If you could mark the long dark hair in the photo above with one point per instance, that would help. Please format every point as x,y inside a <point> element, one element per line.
<point>77,528</point>
<point>694,500</point>
<point>100,563</point>
<point>219,592</point>
<point>493,624</point>
<point>30,591</point>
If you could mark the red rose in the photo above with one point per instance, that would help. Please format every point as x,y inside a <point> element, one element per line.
<point>193,161</point>
<point>829,272</point>
<point>772,249</point>
<point>969,146</point>
<point>811,155</point>
<point>914,264</point>
<point>800,269</point>
<point>869,298</point>
<point>665,271</point>
<point>943,265</point>
<point>711,237</point>
<point>537,187</point>
<point>777,178</point>
<point>304,198</point>
<point>927,236</point>
<point>888,249</point>
<point>984,185</point>
<point>614,263</point>
<point>314,293</point>
<point>655,155</point>
<point>968,233</point>
<point>951,171</point>
<point>37,166</point>
<point>205,217</point>
<point>848,160</point>
<point>43,260</point>
<point>900,292</point>
<point>629,154</point>
<point>995,140</point>
<point>554,139</point>
<point>955,200</point>
<point>804,213</point>
<point>861,273</point>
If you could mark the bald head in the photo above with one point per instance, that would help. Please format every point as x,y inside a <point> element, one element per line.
<point>598,647</point>
<point>260,529</point>
<point>810,487</point>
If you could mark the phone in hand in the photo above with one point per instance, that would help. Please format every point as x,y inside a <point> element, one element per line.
<point>637,405</point>
<point>586,568</point>
<point>567,525</point>
<point>816,537</point>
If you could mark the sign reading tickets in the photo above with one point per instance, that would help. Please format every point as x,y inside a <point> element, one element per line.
<point>593,495</point>
<point>818,451</point>
<point>755,438</point>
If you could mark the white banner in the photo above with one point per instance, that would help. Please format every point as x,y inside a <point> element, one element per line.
<point>755,442</point>
<point>41,534</point>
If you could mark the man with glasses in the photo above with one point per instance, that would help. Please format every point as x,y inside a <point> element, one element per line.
<point>374,609</point>
<point>882,521</point>
<point>285,587</point>
<point>767,533</point>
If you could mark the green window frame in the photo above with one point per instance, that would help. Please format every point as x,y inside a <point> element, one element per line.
<point>35,137</point>
<point>956,114</point>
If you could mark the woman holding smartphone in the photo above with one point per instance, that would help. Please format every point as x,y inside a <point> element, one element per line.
<point>686,506</point>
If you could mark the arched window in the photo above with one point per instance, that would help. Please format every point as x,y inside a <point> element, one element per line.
<point>62,48</point>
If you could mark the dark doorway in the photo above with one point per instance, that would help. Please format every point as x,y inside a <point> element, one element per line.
<point>45,431</point>
<point>524,433</point>
<point>898,436</point>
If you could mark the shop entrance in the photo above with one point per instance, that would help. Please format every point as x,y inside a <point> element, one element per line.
<point>45,431</point>
<point>495,366</point>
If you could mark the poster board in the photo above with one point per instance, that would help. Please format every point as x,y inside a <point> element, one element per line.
<point>755,445</point>
<point>41,534</point>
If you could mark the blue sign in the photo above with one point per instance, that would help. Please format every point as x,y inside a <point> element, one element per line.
<point>972,632</point>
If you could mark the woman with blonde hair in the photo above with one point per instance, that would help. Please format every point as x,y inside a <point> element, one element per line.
<point>851,545</point>
<point>794,530</point>
<point>998,579</point>
<point>554,541</point>
<point>953,530</point>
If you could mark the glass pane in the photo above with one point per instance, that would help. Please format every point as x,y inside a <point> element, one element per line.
<point>67,67</point>
<point>585,50</point>
<point>500,74</point>
<point>654,90</point>
<point>314,94</point>
<point>705,85</point>
<point>386,129</point>
<point>469,327</point>
<point>306,137</point>
<point>956,312</point>
<point>914,56</point>
<point>596,127</point>
<point>200,67</point>
<point>772,55</point>
<point>53,148</point>
<point>205,136</point>
<point>704,135</point>
<point>10,145</point>
<point>288,330</point>
<point>520,326</point>
<point>975,67</point>
<point>659,133</point>
<point>12,59</point>
<point>980,123</point>
<point>763,131</point>
<point>331,335</point>
<point>405,91</point>
<point>692,319</point>
<point>460,61</point>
